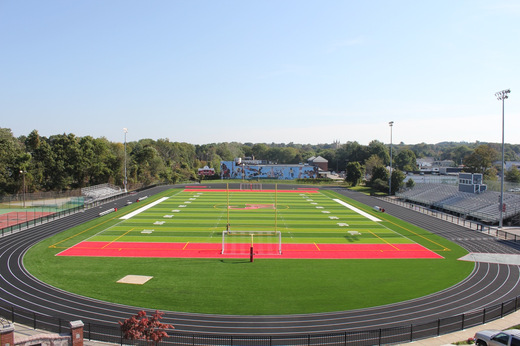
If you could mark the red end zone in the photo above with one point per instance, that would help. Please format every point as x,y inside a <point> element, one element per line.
<point>213,250</point>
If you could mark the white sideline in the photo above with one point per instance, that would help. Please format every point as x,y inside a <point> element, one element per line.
<point>148,206</point>
<point>361,212</point>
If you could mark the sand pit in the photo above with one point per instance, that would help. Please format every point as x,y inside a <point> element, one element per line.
<point>135,279</point>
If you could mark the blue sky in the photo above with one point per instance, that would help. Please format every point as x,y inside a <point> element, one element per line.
<point>261,71</point>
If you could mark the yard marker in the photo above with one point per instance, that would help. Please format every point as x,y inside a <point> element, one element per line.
<point>121,236</point>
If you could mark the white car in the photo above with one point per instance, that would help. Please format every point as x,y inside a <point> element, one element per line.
<point>490,337</point>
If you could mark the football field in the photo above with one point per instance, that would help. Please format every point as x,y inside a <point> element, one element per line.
<point>301,223</point>
<point>314,251</point>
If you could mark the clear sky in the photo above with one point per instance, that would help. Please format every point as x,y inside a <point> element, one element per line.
<point>280,71</point>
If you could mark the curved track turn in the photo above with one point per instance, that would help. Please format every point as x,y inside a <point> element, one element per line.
<point>488,284</point>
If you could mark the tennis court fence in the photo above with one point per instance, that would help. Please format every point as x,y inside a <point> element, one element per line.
<point>76,206</point>
<point>111,333</point>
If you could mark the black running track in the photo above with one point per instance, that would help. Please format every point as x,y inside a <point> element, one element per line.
<point>488,284</point>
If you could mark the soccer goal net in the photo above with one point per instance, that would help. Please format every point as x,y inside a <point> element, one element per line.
<point>251,186</point>
<point>241,242</point>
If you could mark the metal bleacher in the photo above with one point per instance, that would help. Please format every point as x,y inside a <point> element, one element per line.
<point>482,206</point>
<point>102,191</point>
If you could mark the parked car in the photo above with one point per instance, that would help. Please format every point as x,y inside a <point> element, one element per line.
<point>491,337</point>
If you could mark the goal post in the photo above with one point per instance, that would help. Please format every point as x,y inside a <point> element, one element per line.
<point>251,186</point>
<point>241,242</point>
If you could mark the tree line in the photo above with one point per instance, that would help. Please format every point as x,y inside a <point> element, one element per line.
<point>65,161</point>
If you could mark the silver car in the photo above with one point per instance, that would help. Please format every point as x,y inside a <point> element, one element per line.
<point>490,337</point>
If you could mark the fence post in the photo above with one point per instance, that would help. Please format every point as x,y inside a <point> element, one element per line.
<point>12,314</point>
<point>438,326</point>
<point>463,317</point>
<point>484,316</point>
<point>380,333</point>
<point>7,334</point>
<point>502,310</point>
<point>76,331</point>
<point>411,332</point>
<point>34,320</point>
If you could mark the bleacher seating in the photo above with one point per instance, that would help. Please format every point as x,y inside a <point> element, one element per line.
<point>483,206</point>
<point>100,191</point>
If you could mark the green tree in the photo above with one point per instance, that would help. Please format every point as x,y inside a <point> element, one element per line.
<point>397,180</point>
<point>379,173</point>
<point>355,152</point>
<point>481,160</point>
<point>12,157</point>
<point>259,151</point>
<point>405,160</point>
<point>512,175</point>
<point>372,162</point>
<point>410,183</point>
<point>354,173</point>
<point>379,149</point>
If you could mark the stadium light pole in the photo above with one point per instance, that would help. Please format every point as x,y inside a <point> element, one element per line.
<point>501,96</point>
<point>125,130</point>
<point>23,192</point>
<point>390,180</point>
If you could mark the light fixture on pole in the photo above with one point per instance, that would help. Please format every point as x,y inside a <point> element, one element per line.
<point>23,192</point>
<point>390,179</point>
<point>501,96</point>
<point>125,130</point>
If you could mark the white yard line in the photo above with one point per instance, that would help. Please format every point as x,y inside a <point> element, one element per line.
<point>359,211</point>
<point>140,210</point>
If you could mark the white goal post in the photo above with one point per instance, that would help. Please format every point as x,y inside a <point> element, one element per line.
<point>241,242</point>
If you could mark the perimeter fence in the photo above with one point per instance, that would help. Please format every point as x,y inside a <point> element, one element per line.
<point>111,333</point>
<point>35,216</point>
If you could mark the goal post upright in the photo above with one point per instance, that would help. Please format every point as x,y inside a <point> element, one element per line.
<point>276,207</point>
<point>227,205</point>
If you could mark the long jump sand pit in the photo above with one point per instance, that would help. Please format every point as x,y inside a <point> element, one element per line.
<point>135,279</point>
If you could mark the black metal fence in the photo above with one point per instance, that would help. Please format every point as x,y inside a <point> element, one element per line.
<point>55,215</point>
<point>111,333</point>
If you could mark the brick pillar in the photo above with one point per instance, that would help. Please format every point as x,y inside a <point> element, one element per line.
<point>76,330</point>
<point>7,334</point>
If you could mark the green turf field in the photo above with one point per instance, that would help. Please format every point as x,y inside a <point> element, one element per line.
<point>237,286</point>
<point>202,216</point>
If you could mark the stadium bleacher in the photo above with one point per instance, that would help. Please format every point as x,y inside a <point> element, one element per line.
<point>482,206</point>
<point>93,193</point>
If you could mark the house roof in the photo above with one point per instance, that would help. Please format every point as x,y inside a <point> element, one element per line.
<point>320,159</point>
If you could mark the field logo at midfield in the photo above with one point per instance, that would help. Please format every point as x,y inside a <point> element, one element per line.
<point>252,206</point>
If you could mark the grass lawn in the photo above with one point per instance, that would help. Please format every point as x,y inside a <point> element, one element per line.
<point>237,286</point>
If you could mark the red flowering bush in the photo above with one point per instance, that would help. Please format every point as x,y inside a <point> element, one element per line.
<point>143,327</point>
